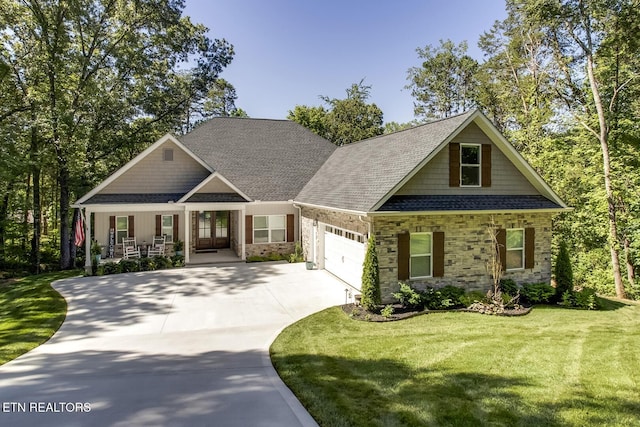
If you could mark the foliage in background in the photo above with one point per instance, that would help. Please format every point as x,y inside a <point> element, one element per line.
<point>370,290</point>
<point>347,120</point>
<point>90,85</point>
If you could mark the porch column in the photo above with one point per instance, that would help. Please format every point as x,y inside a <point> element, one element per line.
<point>87,239</point>
<point>187,228</point>
<point>243,238</point>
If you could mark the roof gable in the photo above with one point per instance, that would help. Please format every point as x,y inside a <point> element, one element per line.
<point>147,173</point>
<point>363,176</point>
<point>358,176</point>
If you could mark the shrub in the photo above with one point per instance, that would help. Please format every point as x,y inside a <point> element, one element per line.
<point>147,264</point>
<point>129,265</point>
<point>387,311</point>
<point>297,255</point>
<point>452,293</point>
<point>111,268</point>
<point>509,286</point>
<point>471,297</point>
<point>162,262</point>
<point>537,293</point>
<point>585,299</point>
<point>409,297</point>
<point>370,278</point>
<point>563,272</point>
<point>177,260</point>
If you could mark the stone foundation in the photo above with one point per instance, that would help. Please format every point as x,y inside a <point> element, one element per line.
<point>265,249</point>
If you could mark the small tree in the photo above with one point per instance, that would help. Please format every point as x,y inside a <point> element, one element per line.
<point>563,272</point>
<point>371,278</point>
<point>494,265</point>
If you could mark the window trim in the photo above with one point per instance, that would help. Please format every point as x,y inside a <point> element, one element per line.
<point>430,255</point>
<point>521,249</point>
<point>126,229</point>
<point>163,227</point>
<point>269,229</point>
<point>478,165</point>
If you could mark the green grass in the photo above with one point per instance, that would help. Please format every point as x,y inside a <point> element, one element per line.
<point>31,311</point>
<point>553,367</point>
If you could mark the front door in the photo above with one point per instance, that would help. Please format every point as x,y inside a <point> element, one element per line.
<point>213,230</point>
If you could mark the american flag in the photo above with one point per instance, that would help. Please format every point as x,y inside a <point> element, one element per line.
<point>79,230</point>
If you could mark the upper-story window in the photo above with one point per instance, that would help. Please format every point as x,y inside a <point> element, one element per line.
<point>470,163</point>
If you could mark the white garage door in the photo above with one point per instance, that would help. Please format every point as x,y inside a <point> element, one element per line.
<point>344,254</point>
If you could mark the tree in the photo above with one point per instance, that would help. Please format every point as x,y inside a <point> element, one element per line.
<point>445,83</point>
<point>98,79</point>
<point>371,298</point>
<point>579,34</point>
<point>313,118</point>
<point>563,272</point>
<point>347,120</point>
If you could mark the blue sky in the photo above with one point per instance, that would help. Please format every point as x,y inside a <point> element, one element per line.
<point>289,52</point>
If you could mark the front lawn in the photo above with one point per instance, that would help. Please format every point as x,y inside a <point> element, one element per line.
<point>30,313</point>
<point>553,367</point>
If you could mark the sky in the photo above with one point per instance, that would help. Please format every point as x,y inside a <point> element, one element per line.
<point>290,52</point>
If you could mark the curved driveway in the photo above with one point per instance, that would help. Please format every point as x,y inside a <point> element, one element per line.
<point>185,347</point>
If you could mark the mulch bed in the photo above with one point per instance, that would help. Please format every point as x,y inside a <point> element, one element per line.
<point>356,312</point>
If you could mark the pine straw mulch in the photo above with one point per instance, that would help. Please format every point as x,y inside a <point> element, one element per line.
<point>357,312</point>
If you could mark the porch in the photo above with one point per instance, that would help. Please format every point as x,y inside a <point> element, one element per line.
<point>219,256</point>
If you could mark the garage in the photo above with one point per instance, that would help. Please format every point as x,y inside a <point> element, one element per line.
<point>344,254</point>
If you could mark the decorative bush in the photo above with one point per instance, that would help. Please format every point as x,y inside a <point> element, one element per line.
<point>472,297</point>
<point>585,299</point>
<point>370,278</point>
<point>537,293</point>
<point>177,260</point>
<point>129,265</point>
<point>563,272</point>
<point>409,297</point>
<point>453,294</point>
<point>509,286</point>
<point>297,255</point>
<point>147,264</point>
<point>111,268</point>
<point>162,262</point>
<point>387,312</point>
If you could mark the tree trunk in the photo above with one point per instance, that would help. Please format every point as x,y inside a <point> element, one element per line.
<point>35,171</point>
<point>65,240</point>
<point>604,144</point>
<point>631,275</point>
<point>4,210</point>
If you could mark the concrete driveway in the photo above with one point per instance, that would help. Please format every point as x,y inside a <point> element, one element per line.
<point>185,347</point>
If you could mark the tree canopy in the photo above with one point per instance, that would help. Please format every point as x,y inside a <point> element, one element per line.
<point>347,120</point>
<point>90,83</point>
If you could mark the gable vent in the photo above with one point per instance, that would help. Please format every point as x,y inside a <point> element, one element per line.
<point>167,154</point>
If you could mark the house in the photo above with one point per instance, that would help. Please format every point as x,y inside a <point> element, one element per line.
<point>256,186</point>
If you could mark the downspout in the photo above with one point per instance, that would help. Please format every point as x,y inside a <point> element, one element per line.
<point>368,226</point>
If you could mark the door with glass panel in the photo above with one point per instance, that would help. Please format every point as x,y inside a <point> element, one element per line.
<point>213,230</point>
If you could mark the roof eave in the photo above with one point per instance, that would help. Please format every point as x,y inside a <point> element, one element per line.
<point>470,212</point>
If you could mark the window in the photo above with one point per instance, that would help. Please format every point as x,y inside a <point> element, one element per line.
<point>167,154</point>
<point>167,227</point>
<point>515,249</point>
<point>420,248</point>
<point>122,228</point>
<point>351,235</point>
<point>269,228</point>
<point>470,165</point>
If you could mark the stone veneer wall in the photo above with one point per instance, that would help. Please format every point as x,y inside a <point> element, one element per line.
<point>466,248</point>
<point>264,249</point>
<point>337,219</point>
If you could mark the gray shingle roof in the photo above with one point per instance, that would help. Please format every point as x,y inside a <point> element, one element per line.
<point>268,160</point>
<point>99,199</point>
<point>466,203</point>
<point>216,198</point>
<point>357,176</point>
